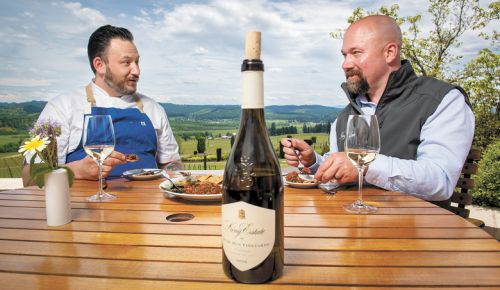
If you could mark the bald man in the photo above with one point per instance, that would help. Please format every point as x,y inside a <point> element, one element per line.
<point>426,125</point>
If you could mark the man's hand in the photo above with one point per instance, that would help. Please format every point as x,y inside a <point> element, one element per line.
<point>337,166</point>
<point>297,150</point>
<point>87,168</point>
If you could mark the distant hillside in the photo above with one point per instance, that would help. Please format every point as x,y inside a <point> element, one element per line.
<point>26,107</point>
<point>306,113</point>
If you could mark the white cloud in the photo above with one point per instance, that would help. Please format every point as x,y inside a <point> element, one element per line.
<point>80,19</point>
<point>191,52</point>
<point>24,82</point>
<point>200,50</point>
<point>28,14</point>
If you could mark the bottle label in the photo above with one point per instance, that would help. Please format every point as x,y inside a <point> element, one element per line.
<point>248,234</point>
<point>253,90</point>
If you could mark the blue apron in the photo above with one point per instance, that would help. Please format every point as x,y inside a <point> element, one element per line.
<point>134,133</point>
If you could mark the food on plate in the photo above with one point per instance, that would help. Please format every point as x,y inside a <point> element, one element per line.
<point>295,178</point>
<point>214,179</point>
<point>132,157</point>
<point>148,172</point>
<point>305,170</point>
<point>202,188</point>
<point>203,184</point>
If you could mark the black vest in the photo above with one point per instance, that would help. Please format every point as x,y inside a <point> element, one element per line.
<point>403,109</point>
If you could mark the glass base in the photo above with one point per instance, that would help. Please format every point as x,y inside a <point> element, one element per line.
<point>359,207</point>
<point>104,196</point>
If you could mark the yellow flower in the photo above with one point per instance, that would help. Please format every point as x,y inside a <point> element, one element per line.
<point>34,145</point>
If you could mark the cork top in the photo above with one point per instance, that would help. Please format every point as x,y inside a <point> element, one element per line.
<point>252,45</point>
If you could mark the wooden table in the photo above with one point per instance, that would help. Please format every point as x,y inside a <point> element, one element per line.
<point>129,244</point>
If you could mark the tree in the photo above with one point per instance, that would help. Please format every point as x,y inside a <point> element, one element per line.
<point>200,146</point>
<point>232,140</point>
<point>431,54</point>
<point>481,78</point>
<point>272,130</point>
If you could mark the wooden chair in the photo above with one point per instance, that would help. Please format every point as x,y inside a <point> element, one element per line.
<point>462,195</point>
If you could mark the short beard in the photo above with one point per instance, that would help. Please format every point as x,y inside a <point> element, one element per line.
<point>118,86</point>
<point>360,87</point>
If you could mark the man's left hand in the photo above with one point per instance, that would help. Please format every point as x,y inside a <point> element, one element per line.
<point>338,167</point>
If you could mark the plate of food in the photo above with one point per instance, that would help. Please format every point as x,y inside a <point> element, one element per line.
<point>194,187</point>
<point>299,180</point>
<point>143,174</point>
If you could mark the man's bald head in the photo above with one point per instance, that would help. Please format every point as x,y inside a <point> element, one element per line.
<point>385,28</point>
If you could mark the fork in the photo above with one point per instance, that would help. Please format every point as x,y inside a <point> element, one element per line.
<point>173,184</point>
<point>297,155</point>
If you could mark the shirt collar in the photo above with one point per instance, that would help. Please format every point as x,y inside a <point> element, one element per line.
<point>363,101</point>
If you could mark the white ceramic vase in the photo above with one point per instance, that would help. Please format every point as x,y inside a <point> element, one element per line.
<point>57,198</point>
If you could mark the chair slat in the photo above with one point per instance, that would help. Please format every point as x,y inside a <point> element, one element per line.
<point>465,183</point>
<point>474,154</point>
<point>461,198</point>
<point>470,168</point>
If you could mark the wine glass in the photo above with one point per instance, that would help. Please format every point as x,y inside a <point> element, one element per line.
<point>99,143</point>
<point>362,144</point>
<point>173,169</point>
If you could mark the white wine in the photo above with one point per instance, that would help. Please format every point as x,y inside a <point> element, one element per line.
<point>99,152</point>
<point>361,157</point>
<point>252,204</point>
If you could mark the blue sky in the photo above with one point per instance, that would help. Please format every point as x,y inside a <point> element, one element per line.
<point>191,51</point>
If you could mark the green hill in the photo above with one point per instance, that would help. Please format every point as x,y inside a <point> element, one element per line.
<point>12,114</point>
<point>305,113</point>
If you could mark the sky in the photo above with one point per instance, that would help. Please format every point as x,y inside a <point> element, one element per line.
<point>191,51</point>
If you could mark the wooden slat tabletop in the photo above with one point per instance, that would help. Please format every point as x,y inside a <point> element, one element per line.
<point>129,244</point>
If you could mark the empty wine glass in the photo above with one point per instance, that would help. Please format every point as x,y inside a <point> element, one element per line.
<point>173,169</point>
<point>99,143</point>
<point>362,144</point>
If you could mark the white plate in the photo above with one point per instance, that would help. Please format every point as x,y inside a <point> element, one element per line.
<point>135,174</point>
<point>166,186</point>
<point>300,184</point>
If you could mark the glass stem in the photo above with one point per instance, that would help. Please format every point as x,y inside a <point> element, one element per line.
<point>360,187</point>
<point>100,192</point>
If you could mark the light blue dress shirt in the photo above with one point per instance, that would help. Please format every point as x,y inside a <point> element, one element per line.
<point>445,138</point>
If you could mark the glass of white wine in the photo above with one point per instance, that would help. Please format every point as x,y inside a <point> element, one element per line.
<point>99,143</point>
<point>362,145</point>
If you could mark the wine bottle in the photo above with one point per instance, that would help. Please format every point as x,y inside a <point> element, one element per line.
<point>252,204</point>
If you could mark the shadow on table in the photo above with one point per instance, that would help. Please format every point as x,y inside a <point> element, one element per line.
<point>495,232</point>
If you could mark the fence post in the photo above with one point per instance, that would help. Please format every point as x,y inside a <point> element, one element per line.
<point>219,154</point>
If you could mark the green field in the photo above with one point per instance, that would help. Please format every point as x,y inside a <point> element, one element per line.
<point>187,147</point>
<point>11,163</point>
<point>4,139</point>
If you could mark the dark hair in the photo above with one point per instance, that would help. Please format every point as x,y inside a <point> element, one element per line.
<point>99,41</point>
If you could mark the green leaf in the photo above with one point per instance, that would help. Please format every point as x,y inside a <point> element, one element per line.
<point>71,175</point>
<point>32,163</point>
<point>39,175</point>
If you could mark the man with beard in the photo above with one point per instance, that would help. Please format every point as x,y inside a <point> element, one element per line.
<point>141,125</point>
<point>426,125</point>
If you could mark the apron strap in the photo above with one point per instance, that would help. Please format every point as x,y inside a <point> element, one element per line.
<point>90,95</point>
<point>91,99</point>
